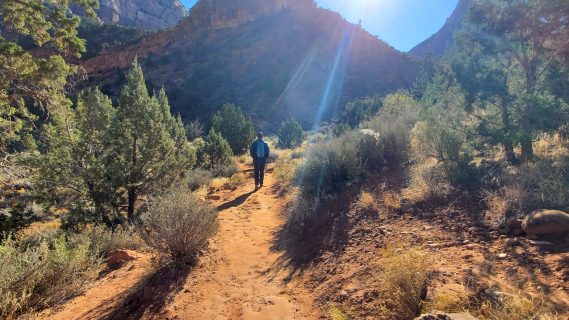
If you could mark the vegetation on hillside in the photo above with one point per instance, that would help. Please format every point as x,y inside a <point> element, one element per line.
<point>486,125</point>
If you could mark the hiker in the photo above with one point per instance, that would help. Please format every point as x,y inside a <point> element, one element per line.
<point>259,153</point>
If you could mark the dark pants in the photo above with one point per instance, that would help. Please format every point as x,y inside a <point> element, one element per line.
<point>259,172</point>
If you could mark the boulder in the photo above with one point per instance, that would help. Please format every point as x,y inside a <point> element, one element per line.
<point>116,258</point>
<point>436,315</point>
<point>546,222</point>
<point>213,197</point>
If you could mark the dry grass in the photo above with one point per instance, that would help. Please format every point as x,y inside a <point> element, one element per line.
<point>39,227</point>
<point>286,167</point>
<point>219,183</point>
<point>495,215</point>
<point>391,200</point>
<point>507,307</point>
<point>448,301</point>
<point>427,180</point>
<point>514,307</point>
<point>336,314</point>
<point>402,280</point>
<point>366,203</point>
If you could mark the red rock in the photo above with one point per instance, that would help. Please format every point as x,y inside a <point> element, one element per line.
<point>116,258</point>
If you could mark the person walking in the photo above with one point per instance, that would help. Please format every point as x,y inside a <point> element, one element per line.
<point>259,152</point>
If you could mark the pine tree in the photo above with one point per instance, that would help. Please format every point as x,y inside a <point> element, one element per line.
<point>534,34</point>
<point>232,124</point>
<point>290,134</point>
<point>214,151</point>
<point>150,150</point>
<point>76,151</point>
<point>28,81</point>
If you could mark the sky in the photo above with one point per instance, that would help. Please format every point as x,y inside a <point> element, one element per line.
<point>401,23</point>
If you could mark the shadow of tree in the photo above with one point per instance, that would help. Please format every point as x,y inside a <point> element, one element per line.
<point>150,294</point>
<point>235,202</point>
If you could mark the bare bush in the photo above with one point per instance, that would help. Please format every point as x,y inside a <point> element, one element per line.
<point>179,224</point>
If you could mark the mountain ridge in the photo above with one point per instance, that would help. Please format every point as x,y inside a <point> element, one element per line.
<point>442,39</point>
<point>276,58</point>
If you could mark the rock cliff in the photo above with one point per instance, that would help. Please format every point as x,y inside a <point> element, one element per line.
<point>142,14</point>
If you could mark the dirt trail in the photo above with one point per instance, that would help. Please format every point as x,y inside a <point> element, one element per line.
<point>240,277</point>
<point>244,281</point>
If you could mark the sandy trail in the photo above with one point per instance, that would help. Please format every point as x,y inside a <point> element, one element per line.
<point>243,281</point>
<point>239,277</point>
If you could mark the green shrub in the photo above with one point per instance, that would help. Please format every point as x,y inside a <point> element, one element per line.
<point>387,143</point>
<point>179,224</point>
<point>226,170</point>
<point>360,110</point>
<point>442,163</point>
<point>38,276</point>
<point>198,178</point>
<point>330,166</point>
<point>214,151</point>
<point>290,134</point>
<point>232,124</point>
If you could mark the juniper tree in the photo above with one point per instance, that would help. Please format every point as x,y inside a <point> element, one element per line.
<point>27,81</point>
<point>290,134</point>
<point>76,152</point>
<point>534,34</point>
<point>232,124</point>
<point>214,151</point>
<point>149,148</point>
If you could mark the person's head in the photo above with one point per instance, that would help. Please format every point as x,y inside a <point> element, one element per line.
<point>260,135</point>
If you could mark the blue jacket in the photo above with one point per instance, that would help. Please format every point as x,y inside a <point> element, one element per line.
<point>253,149</point>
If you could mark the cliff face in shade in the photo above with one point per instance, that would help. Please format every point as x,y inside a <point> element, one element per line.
<point>142,14</point>
<point>275,58</point>
<point>440,41</point>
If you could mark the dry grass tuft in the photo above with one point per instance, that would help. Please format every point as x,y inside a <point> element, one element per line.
<point>498,208</point>
<point>391,201</point>
<point>366,203</point>
<point>514,307</point>
<point>403,281</point>
<point>448,301</point>
<point>336,314</point>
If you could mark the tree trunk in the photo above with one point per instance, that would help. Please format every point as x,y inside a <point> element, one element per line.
<point>132,196</point>
<point>508,144</point>
<point>132,190</point>
<point>527,113</point>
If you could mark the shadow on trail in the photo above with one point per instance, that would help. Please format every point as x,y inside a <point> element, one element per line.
<point>235,202</point>
<point>150,295</point>
<point>302,242</point>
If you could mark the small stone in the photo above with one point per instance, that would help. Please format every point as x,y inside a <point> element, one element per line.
<point>502,255</point>
<point>213,197</point>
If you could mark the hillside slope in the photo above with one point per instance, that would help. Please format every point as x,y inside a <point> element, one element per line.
<point>275,58</point>
<point>440,41</point>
